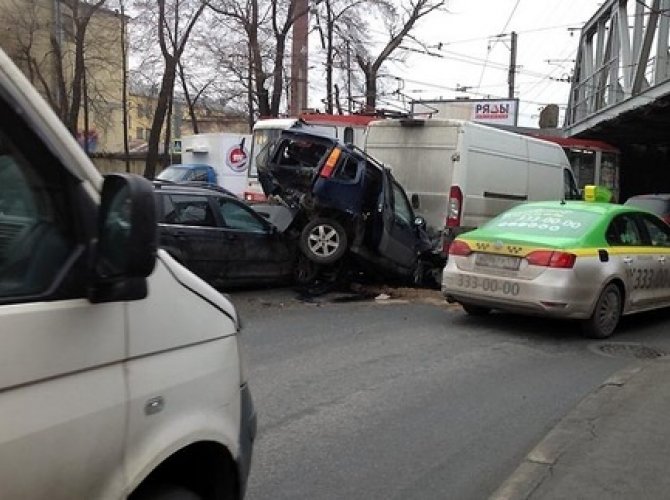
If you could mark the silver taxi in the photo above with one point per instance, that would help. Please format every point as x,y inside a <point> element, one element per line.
<point>581,260</point>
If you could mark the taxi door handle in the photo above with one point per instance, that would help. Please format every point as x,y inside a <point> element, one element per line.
<point>627,260</point>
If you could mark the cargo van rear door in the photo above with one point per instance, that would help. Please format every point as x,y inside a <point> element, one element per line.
<point>399,237</point>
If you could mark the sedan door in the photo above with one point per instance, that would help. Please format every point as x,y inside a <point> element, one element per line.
<point>399,237</point>
<point>257,252</point>
<point>627,251</point>
<point>191,232</point>
<point>657,236</point>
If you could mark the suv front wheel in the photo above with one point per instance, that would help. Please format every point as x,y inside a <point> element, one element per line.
<point>323,241</point>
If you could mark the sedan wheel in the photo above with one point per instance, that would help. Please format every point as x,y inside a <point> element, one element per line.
<point>606,314</point>
<point>474,310</point>
<point>323,241</point>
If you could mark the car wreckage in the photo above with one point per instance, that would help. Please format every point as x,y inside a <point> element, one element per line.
<point>346,210</point>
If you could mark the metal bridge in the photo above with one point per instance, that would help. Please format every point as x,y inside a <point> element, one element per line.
<point>621,84</point>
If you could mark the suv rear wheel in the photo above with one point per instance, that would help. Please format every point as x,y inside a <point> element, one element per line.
<point>323,241</point>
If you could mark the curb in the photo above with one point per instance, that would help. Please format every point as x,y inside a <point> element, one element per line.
<point>573,428</point>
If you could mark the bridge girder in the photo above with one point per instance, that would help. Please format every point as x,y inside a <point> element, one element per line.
<point>622,72</point>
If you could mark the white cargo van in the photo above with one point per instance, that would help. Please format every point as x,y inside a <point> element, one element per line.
<point>120,372</point>
<point>460,174</point>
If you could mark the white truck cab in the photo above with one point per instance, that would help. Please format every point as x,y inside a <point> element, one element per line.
<point>120,371</point>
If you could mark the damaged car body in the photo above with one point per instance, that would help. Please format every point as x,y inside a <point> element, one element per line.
<point>345,203</point>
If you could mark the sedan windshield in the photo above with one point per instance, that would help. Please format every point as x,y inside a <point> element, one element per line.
<point>172,174</point>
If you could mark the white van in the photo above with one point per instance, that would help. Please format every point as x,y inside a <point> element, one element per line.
<point>120,371</point>
<point>460,174</point>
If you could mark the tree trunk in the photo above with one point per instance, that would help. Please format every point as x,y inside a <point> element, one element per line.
<point>329,64</point>
<point>167,85</point>
<point>77,81</point>
<point>277,84</point>
<point>189,101</point>
<point>371,89</point>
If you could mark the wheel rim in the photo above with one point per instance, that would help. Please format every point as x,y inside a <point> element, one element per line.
<point>323,240</point>
<point>608,311</point>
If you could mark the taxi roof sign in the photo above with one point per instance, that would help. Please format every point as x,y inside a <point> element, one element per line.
<point>597,194</point>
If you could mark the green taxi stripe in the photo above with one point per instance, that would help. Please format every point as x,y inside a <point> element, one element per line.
<point>523,250</point>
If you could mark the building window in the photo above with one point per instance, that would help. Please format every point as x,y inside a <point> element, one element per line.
<point>139,133</point>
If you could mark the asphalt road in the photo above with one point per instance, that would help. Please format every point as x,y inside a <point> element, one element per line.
<point>409,400</point>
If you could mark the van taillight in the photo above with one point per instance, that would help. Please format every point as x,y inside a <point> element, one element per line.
<point>459,247</point>
<point>329,167</point>
<point>549,258</point>
<point>454,207</point>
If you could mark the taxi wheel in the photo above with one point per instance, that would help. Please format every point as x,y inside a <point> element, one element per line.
<point>473,310</point>
<point>606,314</point>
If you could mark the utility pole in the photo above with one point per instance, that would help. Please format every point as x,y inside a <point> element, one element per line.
<point>512,66</point>
<point>299,58</point>
<point>349,96</point>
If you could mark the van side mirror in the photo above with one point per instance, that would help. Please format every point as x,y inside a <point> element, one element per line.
<point>127,239</point>
<point>420,221</point>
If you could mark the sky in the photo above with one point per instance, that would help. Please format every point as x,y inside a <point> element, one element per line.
<point>468,51</point>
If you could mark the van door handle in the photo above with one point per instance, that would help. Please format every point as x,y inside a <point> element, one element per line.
<point>627,260</point>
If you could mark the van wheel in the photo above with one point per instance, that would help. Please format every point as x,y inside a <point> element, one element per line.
<point>606,314</point>
<point>323,241</point>
<point>474,310</point>
<point>167,492</point>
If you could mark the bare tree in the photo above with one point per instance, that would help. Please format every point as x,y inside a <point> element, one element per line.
<point>171,22</point>
<point>266,25</point>
<point>333,18</point>
<point>56,67</point>
<point>400,23</point>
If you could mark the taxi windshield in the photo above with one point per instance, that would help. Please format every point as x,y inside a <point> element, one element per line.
<point>544,221</point>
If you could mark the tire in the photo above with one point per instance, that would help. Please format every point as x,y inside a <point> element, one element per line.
<point>305,271</point>
<point>606,314</point>
<point>166,492</point>
<point>473,310</point>
<point>323,241</point>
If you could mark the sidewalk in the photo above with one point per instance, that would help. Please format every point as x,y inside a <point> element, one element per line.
<point>614,445</point>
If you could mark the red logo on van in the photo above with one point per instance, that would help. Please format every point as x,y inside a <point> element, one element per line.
<point>236,158</point>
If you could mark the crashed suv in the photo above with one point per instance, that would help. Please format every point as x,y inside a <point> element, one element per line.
<point>344,202</point>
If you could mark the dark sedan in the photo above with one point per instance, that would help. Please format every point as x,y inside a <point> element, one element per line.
<point>221,239</point>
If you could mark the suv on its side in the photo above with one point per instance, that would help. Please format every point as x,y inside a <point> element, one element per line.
<point>345,201</point>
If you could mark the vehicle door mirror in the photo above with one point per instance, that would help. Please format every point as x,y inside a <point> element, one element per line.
<point>416,202</point>
<point>127,236</point>
<point>420,222</point>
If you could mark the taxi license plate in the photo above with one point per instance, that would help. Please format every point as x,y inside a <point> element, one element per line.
<point>498,261</point>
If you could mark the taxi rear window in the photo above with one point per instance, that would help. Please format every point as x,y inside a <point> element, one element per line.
<point>568,223</point>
